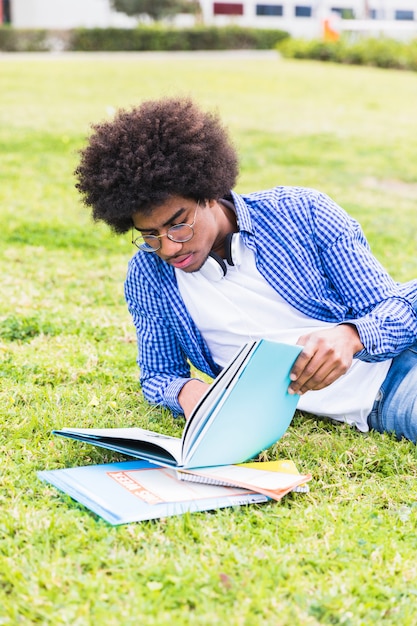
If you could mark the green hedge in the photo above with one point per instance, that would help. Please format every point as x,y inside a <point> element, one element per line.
<point>140,39</point>
<point>381,52</point>
<point>163,38</point>
<point>23,40</point>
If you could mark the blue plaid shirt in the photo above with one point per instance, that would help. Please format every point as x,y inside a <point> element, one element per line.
<point>310,251</point>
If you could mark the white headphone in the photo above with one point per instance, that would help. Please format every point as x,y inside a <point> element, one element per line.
<point>215,268</point>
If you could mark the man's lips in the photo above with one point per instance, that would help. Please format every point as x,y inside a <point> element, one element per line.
<point>182,261</point>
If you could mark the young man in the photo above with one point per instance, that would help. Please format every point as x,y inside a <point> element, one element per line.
<point>216,269</point>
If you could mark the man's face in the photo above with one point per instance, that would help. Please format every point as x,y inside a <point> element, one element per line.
<point>203,225</point>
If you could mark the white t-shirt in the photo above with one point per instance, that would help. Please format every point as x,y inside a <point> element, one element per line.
<point>242,307</point>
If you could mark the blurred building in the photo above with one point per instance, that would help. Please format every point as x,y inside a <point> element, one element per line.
<point>62,14</point>
<point>305,18</point>
<point>301,18</point>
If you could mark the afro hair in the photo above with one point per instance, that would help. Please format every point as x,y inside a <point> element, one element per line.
<point>145,155</point>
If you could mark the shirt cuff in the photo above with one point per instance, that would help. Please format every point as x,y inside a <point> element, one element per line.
<point>171,395</point>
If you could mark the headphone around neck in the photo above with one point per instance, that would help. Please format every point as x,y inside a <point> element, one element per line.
<point>215,268</point>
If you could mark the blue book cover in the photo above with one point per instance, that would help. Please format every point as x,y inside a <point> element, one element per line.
<point>254,412</point>
<point>134,491</point>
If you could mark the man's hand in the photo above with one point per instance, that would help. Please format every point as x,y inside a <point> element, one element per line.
<point>327,355</point>
<point>191,394</point>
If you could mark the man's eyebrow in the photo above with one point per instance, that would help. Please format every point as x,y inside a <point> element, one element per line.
<point>167,223</point>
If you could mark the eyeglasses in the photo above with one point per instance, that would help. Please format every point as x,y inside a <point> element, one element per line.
<point>180,233</point>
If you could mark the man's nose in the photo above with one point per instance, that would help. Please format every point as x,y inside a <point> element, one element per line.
<point>168,247</point>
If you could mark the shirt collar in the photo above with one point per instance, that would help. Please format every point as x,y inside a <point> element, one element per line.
<point>244,221</point>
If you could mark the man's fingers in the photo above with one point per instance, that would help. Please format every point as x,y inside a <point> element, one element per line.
<point>314,376</point>
<point>323,378</point>
<point>318,365</point>
<point>301,363</point>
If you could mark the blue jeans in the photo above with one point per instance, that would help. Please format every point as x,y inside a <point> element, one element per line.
<point>395,409</point>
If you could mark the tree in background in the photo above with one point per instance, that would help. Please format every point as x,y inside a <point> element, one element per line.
<point>156,9</point>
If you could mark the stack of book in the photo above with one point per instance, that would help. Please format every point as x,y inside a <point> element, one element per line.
<point>246,409</point>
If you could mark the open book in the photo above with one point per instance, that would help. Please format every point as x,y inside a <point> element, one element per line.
<point>246,409</point>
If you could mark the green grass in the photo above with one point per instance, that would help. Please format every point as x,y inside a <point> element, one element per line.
<point>343,554</point>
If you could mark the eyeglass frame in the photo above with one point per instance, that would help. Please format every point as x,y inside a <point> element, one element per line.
<point>142,244</point>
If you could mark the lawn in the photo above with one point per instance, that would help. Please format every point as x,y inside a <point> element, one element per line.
<point>345,553</point>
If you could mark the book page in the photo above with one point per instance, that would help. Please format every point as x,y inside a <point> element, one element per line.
<point>136,442</point>
<point>211,398</point>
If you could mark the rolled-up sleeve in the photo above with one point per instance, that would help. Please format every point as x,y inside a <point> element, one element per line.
<point>385,319</point>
